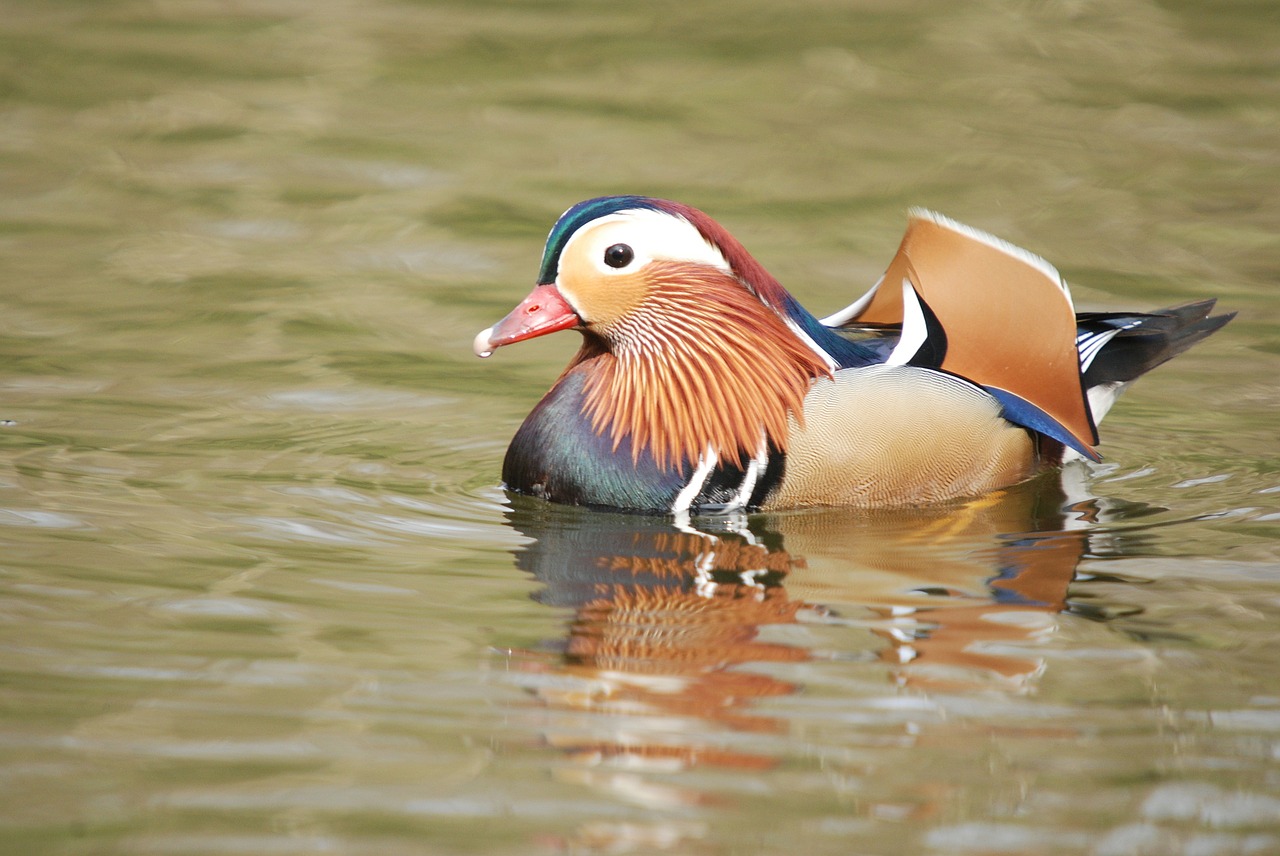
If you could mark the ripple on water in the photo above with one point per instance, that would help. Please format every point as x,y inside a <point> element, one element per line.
<point>198,670</point>
<point>234,608</point>
<point>1002,838</point>
<point>307,531</point>
<point>41,519</point>
<point>256,845</point>
<point>1262,720</point>
<point>258,230</point>
<point>1199,802</point>
<point>351,517</point>
<point>365,588</point>
<point>345,400</point>
<point>1150,838</point>
<point>392,487</point>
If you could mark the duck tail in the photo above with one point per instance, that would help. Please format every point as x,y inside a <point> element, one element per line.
<point>1118,347</point>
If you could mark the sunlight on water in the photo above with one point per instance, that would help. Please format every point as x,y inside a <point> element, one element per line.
<point>260,588</point>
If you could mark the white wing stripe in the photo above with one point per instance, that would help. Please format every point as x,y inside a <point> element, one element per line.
<point>914,330</point>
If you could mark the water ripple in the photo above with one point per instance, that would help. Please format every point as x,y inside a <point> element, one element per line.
<point>40,519</point>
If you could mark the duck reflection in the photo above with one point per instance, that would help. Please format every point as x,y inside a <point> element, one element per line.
<point>663,619</point>
<point>678,630</point>
<point>956,592</point>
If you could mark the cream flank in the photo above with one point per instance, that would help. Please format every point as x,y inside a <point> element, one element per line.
<point>899,435</point>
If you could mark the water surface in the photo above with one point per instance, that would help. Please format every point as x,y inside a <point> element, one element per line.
<point>261,592</point>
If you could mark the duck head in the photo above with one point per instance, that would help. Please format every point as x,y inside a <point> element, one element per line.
<point>606,259</point>
<point>695,349</point>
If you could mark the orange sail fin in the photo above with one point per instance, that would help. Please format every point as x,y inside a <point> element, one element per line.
<point>1006,314</point>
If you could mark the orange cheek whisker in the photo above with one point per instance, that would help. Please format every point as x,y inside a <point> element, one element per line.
<point>700,363</point>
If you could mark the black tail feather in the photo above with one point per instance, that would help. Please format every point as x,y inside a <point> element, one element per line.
<point>1129,344</point>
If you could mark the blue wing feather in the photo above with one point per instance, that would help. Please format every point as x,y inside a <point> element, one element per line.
<point>1019,411</point>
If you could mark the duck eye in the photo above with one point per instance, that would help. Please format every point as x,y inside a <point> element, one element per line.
<point>619,256</point>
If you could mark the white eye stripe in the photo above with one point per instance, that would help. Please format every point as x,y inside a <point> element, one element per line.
<point>651,235</point>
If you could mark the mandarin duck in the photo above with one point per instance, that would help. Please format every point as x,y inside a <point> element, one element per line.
<point>703,386</point>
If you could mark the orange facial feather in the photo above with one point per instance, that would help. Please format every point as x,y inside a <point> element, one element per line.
<point>699,364</point>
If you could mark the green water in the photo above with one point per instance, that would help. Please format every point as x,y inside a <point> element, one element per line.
<point>260,591</point>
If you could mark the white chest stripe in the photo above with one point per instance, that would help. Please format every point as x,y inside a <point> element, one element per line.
<point>684,499</point>
<point>706,465</point>
<point>754,468</point>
